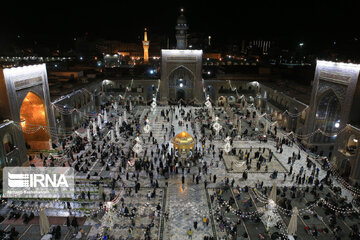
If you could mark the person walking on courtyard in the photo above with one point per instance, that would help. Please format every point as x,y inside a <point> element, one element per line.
<point>205,221</point>
<point>183,181</point>
<point>197,179</point>
<point>74,223</point>
<point>68,224</point>
<point>130,232</point>
<point>189,233</point>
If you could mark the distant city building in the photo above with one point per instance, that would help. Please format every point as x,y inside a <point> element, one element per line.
<point>210,55</point>
<point>260,47</point>
<point>118,47</point>
<point>111,61</point>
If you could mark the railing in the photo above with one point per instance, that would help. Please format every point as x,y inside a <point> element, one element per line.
<point>276,104</point>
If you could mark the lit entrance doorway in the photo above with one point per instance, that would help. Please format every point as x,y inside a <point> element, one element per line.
<point>180,94</point>
<point>34,122</point>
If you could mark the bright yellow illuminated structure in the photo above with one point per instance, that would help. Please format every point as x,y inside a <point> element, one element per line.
<point>146,47</point>
<point>183,143</point>
<point>32,115</point>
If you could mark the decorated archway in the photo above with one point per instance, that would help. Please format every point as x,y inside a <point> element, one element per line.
<point>181,84</point>
<point>352,145</point>
<point>34,122</point>
<point>221,100</point>
<point>327,117</point>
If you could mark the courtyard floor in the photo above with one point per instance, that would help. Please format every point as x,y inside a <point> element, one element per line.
<point>181,205</point>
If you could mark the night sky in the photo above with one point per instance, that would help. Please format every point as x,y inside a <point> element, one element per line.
<point>223,20</point>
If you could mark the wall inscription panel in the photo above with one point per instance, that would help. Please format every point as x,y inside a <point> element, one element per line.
<point>28,82</point>
<point>334,77</point>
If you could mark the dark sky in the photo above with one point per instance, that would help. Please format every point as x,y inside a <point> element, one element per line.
<point>224,20</point>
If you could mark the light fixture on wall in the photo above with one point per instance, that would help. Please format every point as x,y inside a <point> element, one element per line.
<point>22,122</point>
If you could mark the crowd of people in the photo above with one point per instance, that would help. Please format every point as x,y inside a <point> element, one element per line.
<point>124,172</point>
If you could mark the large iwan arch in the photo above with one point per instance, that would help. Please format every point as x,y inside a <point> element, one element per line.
<point>185,65</point>
<point>181,80</point>
<point>33,118</point>
<point>327,117</point>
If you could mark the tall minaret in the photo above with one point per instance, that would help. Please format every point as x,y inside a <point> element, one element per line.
<point>181,28</point>
<point>146,47</point>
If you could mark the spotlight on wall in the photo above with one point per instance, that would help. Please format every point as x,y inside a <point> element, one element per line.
<point>22,122</point>
<point>337,125</point>
<point>355,140</point>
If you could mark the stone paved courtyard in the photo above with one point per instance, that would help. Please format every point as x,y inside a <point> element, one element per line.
<point>108,174</point>
<point>239,165</point>
<point>146,215</point>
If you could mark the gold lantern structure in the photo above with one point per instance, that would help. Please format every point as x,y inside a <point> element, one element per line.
<point>184,144</point>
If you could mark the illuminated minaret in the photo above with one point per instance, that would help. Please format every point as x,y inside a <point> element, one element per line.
<point>146,47</point>
<point>181,28</point>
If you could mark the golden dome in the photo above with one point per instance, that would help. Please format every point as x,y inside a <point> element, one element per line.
<point>183,138</point>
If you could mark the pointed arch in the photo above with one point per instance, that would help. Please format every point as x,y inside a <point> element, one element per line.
<point>180,67</point>
<point>34,121</point>
<point>327,116</point>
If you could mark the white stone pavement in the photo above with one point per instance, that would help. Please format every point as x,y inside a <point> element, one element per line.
<point>186,203</point>
<point>189,204</point>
